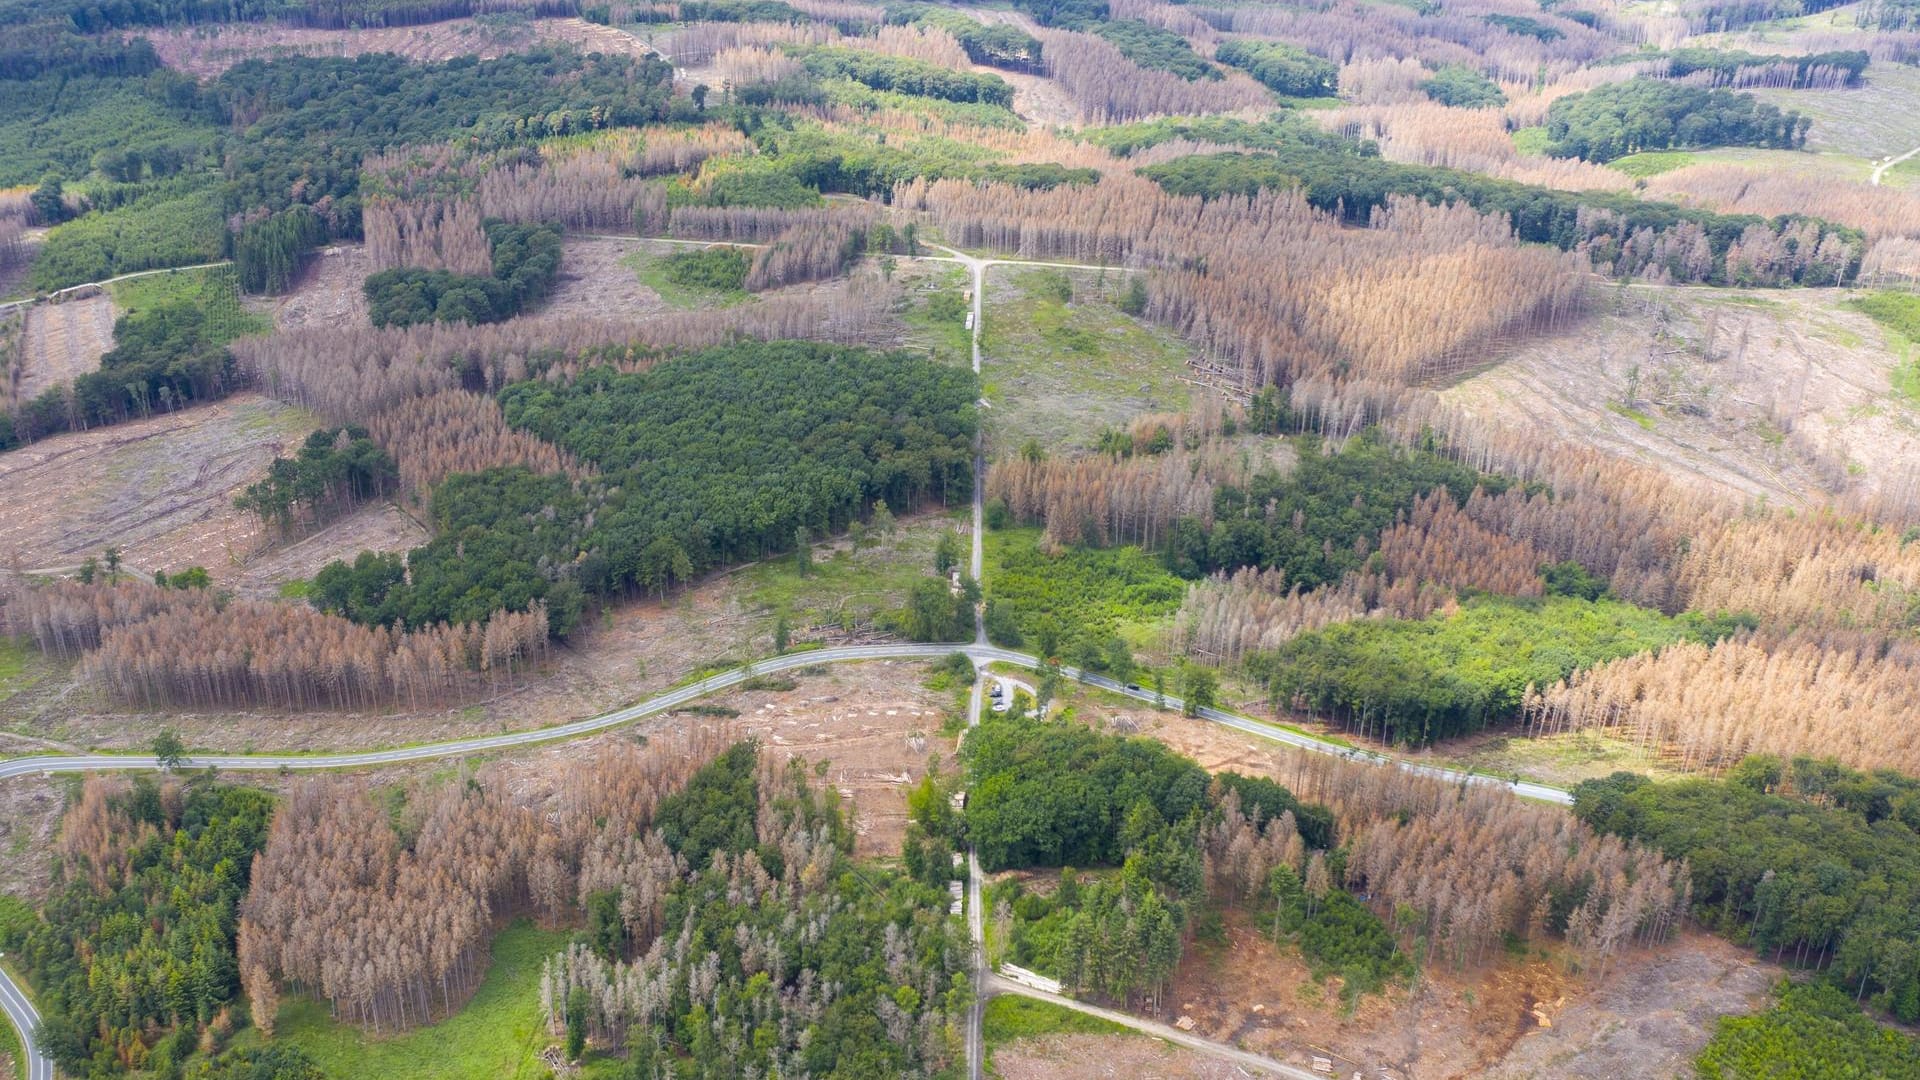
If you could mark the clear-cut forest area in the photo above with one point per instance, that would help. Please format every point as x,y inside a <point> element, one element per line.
<point>849,539</point>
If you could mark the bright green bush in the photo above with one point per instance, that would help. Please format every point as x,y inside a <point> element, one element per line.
<point>1415,681</point>
<point>1812,1032</point>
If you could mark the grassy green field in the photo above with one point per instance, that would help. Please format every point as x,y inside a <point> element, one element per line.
<point>1899,315</point>
<point>215,290</point>
<point>1058,370</point>
<point>1652,162</point>
<point>1007,1018</point>
<point>1559,760</point>
<point>498,1034</point>
<point>21,666</point>
<point>845,585</point>
<point>936,315</point>
<point>1531,140</point>
<point>10,1048</point>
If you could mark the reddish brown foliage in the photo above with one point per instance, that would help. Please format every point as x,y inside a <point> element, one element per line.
<point>1441,544</point>
<point>1462,867</point>
<point>1285,291</point>
<point>394,934</point>
<point>429,235</point>
<point>1845,694</point>
<point>1109,88</point>
<point>455,431</point>
<point>1348,30</point>
<point>1736,189</point>
<point>806,252</point>
<point>150,646</point>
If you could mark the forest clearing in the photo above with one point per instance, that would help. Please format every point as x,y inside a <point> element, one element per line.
<point>1779,396</point>
<point>62,341</point>
<point>159,489</point>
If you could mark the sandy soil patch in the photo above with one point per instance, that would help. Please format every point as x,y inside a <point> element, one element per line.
<point>1097,1057</point>
<point>1038,99</point>
<point>160,489</point>
<point>374,528</point>
<point>1779,394</point>
<point>64,341</point>
<point>206,51</point>
<point>876,725</point>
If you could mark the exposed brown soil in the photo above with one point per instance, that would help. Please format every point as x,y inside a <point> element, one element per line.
<point>205,52</point>
<point>876,725</point>
<point>63,341</point>
<point>1649,1018</point>
<point>328,292</point>
<point>160,489</point>
<point>373,528</point>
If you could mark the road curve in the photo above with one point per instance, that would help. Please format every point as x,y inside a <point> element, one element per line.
<point>997,984</point>
<point>1880,169</point>
<point>26,1019</point>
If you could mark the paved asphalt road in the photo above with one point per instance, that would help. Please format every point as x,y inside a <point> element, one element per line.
<point>19,1010</point>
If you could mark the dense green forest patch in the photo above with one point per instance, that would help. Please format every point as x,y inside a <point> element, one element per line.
<point>171,223</point>
<point>722,456</point>
<point>903,76</point>
<point>526,258</point>
<point>1649,114</point>
<point>1415,681</point>
<point>1463,87</point>
<point>63,125</point>
<point>1810,1033</point>
<point>1057,794</point>
<point>1282,129</point>
<point>1810,862</point>
<point>1284,69</point>
<point>1156,48</point>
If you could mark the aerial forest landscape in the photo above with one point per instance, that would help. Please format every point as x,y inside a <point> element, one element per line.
<point>959,539</point>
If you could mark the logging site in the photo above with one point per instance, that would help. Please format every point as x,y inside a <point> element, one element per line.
<point>959,539</point>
